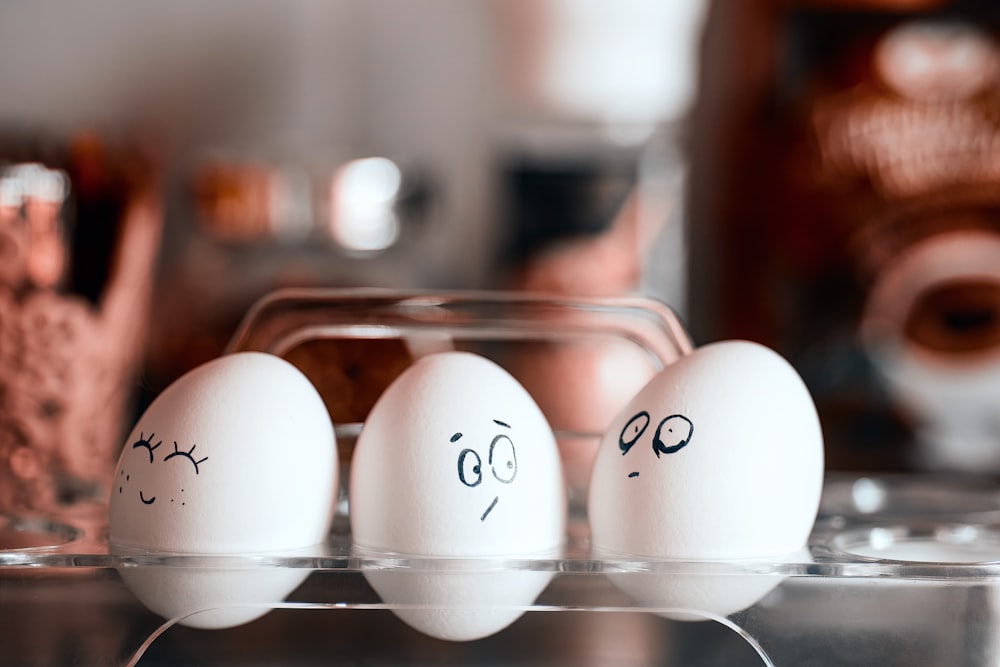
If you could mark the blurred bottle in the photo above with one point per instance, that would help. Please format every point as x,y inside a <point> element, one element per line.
<point>845,192</point>
<point>592,143</point>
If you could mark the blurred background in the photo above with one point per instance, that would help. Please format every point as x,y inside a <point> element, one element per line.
<point>821,176</point>
<point>817,175</point>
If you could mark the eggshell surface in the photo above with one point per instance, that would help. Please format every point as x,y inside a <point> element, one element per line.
<point>720,456</point>
<point>238,456</point>
<point>459,605</point>
<point>456,460</point>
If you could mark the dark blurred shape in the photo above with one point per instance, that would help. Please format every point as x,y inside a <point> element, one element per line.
<point>957,317</point>
<point>550,202</point>
<point>350,375</point>
<point>834,140</point>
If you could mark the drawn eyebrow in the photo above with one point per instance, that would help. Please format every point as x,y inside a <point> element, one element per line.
<point>497,421</point>
<point>455,437</point>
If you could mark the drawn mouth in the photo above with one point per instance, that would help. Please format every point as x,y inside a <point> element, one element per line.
<point>489,509</point>
<point>143,499</point>
<point>633,474</point>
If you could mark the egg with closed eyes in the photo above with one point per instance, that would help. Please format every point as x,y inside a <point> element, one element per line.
<point>456,461</point>
<point>719,457</point>
<point>236,457</point>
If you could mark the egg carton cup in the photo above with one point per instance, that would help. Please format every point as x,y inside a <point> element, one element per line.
<point>899,569</point>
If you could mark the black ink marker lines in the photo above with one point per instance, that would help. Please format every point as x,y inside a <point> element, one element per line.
<point>489,509</point>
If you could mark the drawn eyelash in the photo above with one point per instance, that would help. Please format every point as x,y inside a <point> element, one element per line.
<point>147,443</point>
<point>189,455</point>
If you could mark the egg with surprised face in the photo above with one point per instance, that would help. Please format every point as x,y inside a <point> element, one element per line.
<point>719,457</point>
<point>456,460</point>
<point>238,456</point>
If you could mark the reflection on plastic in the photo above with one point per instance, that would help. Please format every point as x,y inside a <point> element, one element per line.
<point>211,598</point>
<point>699,591</point>
<point>458,605</point>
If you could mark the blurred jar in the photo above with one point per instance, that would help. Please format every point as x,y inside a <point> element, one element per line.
<point>920,129</point>
<point>843,146</point>
<point>79,233</point>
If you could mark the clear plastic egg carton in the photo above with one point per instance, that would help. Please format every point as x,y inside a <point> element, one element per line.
<point>900,570</point>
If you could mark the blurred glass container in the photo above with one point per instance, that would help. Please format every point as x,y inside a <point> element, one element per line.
<point>79,234</point>
<point>845,190</point>
<point>245,224</point>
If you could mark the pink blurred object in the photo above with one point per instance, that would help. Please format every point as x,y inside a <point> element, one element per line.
<point>68,353</point>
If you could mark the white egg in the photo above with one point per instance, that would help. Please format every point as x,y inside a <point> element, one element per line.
<point>719,457</point>
<point>456,460</point>
<point>238,456</point>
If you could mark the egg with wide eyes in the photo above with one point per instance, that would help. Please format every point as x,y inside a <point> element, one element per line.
<point>719,457</point>
<point>238,456</point>
<point>456,460</point>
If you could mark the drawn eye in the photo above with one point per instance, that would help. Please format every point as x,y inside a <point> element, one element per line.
<point>672,435</point>
<point>470,468</point>
<point>633,431</point>
<point>189,455</point>
<point>503,460</point>
<point>147,443</point>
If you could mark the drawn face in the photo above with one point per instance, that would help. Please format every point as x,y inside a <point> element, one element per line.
<point>672,434</point>
<point>138,472</point>
<point>500,457</point>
